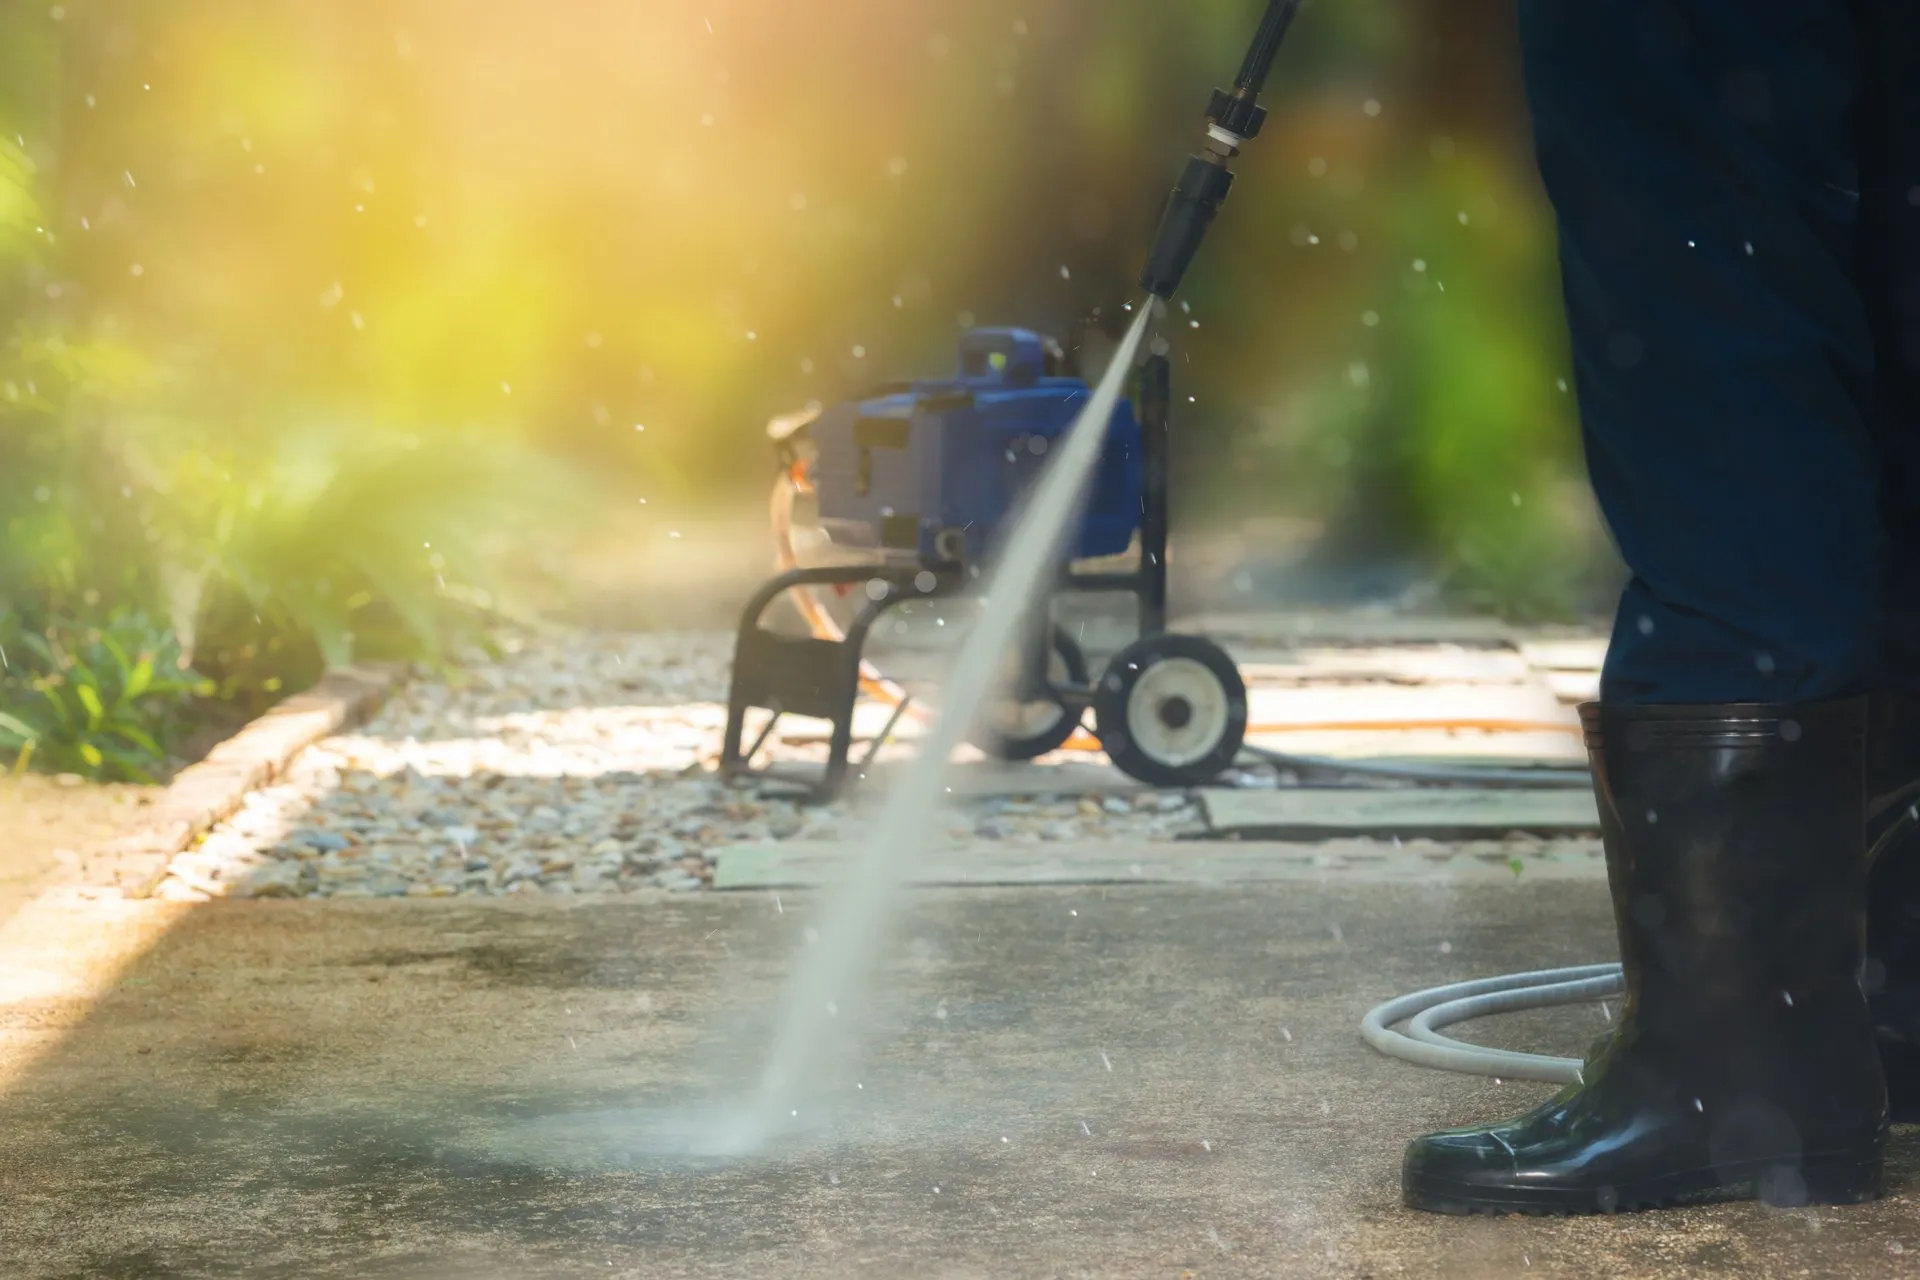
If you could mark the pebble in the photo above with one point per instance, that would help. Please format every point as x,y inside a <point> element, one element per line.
<point>570,763</point>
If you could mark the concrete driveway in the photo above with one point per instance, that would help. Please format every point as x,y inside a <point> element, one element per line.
<point>1145,1080</point>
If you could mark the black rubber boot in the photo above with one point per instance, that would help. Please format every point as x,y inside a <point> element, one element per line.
<point>1743,1063</point>
<point>1892,977</point>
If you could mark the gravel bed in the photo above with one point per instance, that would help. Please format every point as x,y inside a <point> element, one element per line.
<point>578,763</point>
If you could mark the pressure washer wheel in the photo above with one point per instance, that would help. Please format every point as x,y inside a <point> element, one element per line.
<point>1018,730</point>
<point>1171,710</point>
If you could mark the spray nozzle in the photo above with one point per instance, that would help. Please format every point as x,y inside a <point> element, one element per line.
<point>1233,117</point>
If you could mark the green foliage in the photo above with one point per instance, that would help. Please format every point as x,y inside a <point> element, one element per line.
<point>102,701</point>
<point>269,548</point>
<point>345,546</point>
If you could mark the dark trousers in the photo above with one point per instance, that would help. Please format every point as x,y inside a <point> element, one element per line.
<point>1737,187</point>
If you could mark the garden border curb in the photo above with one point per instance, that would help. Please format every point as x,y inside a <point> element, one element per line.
<point>135,860</point>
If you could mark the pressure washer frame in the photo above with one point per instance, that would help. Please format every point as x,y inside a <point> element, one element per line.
<point>820,678</point>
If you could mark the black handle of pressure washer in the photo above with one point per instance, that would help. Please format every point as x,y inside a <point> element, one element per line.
<point>1232,119</point>
<point>1266,46</point>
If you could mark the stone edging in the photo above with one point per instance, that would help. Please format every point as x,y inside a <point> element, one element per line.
<point>135,861</point>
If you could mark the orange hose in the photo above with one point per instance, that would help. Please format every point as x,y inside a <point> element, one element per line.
<point>876,686</point>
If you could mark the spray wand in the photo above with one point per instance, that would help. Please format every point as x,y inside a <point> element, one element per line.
<point>1233,119</point>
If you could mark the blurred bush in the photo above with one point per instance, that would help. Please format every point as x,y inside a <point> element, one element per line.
<point>263,556</point>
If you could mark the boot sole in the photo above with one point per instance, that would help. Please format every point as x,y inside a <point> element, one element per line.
<point>1827,1179</point>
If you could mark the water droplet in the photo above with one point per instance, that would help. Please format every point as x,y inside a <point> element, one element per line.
<point>1370,318</point>
<point>1446,948</point>
<point>1646,625</point>
<point>1371,106</point>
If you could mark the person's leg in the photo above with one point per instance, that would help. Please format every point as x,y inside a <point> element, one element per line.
<point>1888,132</point>
<point>1888,264</point>
<point>1700,158</point>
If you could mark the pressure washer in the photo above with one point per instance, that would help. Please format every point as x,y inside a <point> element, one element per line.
<point>922,476</point>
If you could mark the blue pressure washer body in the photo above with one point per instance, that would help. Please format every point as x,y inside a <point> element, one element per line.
<point>932,468</point>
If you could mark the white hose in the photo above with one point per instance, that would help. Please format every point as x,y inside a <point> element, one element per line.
<point>1435,1007</point>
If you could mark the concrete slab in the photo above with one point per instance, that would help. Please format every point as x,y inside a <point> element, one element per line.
<point>795,864</point>
<point>1071,1082</point>
<point>1346,627</point>
<point>1061,774</point>
<point>1400,664</point>
<point>1454,813</point>
<point>1577,653</point>
<point>1530,706</point>
<point>1548,749</point>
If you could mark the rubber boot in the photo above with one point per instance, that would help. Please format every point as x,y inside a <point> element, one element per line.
<point>1744,1061</point>
<point>1892,978</point>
